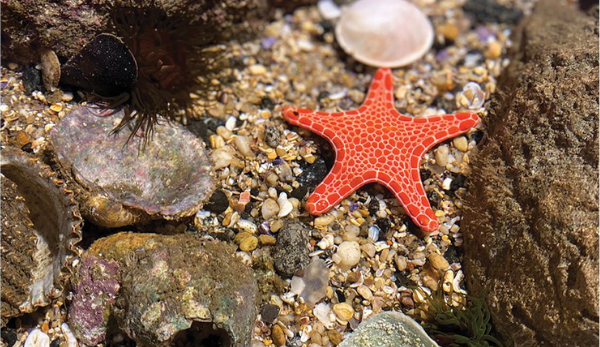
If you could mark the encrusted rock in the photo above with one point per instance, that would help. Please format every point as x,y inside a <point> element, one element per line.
<point>41,227</point>
<point>531,226</point>
<point>291,250</point>
<point>173,290</point>
<point>389,329</point>
<point>121,183</point>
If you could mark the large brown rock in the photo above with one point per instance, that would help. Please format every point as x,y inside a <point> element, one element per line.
<point>531,229</point>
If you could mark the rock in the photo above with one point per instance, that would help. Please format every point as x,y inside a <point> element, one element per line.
<point>174,290</point>
<point>389,329</point>
<point>490,11</point>
<point>278,335</point>
<point>95,285</point>
<point>64,26</point>
<point>269,313</point>
<point>530,224</point>
<point>347,255</point>
<point>291,250</point>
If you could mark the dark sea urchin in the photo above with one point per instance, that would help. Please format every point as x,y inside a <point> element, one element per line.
<point>176,55</point>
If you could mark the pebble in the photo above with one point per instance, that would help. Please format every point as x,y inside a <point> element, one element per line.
<point>269,208</point>
<point>461,143</point>
<point>438,261</point>
<point>291,252</point>
<point>267,240</point>
<point>335,337</point>
<point>323,313</point>
<point>365,292</point>
<point>258,69</point>
<point>343,312</point>
<point>247,226</point>
<point>67,96</point>
<point>348,254</point>
<point>242,143</point>
<point>328,9</point>
<point>37,338</point>
<point>494,50</point>
<point>222,157</point>
<point>441,155</point>
<point>401,263</point>
<point>278,335</point>
<point>449,31</point>
<point>323,220</point>
<point>249,243</point>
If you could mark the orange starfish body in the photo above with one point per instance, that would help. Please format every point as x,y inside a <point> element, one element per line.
<point>375,143</point>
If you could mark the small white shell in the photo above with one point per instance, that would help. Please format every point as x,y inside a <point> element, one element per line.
<point>384,33</point>
<point>326,242</point>
<point>285,206</point>
<point>373,233</point>
<point>328,9</point>
<point>37,338</point>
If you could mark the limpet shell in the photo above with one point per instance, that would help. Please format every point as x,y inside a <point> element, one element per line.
<point>41,227</point>
<point>121,183</point>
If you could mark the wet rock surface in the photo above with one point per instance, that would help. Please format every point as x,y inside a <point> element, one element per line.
<point>120,184</point>
<point>531,229</point>
<point>165,290</point>
<point>63,26</point>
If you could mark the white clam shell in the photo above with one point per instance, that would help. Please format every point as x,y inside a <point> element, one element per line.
<point>384,33</point>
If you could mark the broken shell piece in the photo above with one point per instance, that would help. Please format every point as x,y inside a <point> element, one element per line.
<point>41,227</point>
<point>285,205</point>
<point>384,33</point>
<point>121,183</point>
<point>50,70</point>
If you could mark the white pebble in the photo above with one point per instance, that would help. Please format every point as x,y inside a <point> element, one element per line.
<point>285,206</point>
<point>230,123</point>
<point>349,253</point>
<point>3,107</point>
<point>269,209</point>
<point>222,157</point>
<point>67,96</point>
<point>37,338</point>
<point>246,225</point>
<point>328,9</point>
<point>258,69</point>
<point>71,340</point>
<point>441,155</point>
<point>243,145</point>
<point>446,183</point>
<point>461,143</point>
<point>323,313</point>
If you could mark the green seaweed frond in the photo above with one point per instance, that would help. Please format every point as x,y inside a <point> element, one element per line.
<point>455,319</point>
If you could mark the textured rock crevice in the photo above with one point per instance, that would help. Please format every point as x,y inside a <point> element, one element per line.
<point>531,231</point>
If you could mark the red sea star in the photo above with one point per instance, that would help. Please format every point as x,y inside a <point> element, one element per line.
<point>375,143</point>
